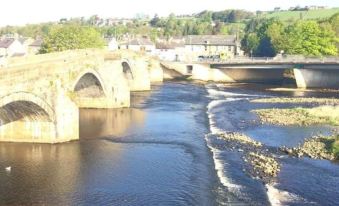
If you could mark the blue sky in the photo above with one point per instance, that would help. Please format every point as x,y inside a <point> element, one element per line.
<point>18,12</point>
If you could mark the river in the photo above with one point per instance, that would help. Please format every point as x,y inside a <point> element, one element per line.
<point>162,151</point>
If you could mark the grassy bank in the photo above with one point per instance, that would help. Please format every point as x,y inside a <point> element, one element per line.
<point>306,15</point>
<point>300,116</point>
<point>335,147</point>
<point>319,147</point>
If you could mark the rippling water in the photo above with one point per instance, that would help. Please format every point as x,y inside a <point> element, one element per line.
<point>151,154</point>
<point>300,182</point>
<point>163,151</point>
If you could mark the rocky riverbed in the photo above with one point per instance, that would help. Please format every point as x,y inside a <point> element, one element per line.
<point>260,161</point>
<point>322,111</point>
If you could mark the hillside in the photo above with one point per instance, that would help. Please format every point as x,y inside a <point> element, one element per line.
<point>295,15</point>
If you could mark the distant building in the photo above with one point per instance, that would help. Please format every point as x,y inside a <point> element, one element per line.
<point>11,47</point>
<point>315,7</point>
<point>142,44</point>
<point>199,45</point>
<point>172,49</point>
<point>26,41</point>
<point>35,46</point>
<point>111,43</point>
<point>277,9</point>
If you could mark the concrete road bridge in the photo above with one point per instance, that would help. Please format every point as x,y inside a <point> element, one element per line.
<point>40,95</point>
<point>308,72</point>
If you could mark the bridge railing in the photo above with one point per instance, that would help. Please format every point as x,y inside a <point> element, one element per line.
<point>292,59</point>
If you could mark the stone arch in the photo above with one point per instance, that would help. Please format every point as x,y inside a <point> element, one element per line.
<point>89,84</point>
<point>18,104</point>
<point>127,69</point>
<point>24,117</point>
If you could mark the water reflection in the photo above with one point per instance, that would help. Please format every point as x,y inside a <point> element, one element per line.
<point>109,122</point>
<point>32,168</point>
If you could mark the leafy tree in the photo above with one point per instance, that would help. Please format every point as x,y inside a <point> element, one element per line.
<point>334,21</point>
<point>260,37</point>
<point>309,38</point>
<point>69,37</point>
<point>205,16</point>
<point>154,22</point>
<point>250,43</point>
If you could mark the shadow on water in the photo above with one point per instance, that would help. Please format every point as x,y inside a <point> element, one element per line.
<point>152,154</point>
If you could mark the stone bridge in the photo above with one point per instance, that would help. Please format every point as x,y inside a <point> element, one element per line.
<point>40,96</point>
<point>312,72</point>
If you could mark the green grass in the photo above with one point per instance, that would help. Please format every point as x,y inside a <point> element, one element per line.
<point>335,147</point>
<point>301,116</point>
<point>307,15</point>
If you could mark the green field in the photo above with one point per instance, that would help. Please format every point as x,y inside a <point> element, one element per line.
<point>295,15</point>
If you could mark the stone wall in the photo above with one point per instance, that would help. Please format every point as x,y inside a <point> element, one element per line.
<point>49,81</point>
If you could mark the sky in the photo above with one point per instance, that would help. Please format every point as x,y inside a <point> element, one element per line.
<point>20,12</point>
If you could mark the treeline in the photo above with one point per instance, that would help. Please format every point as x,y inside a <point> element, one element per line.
<point>310,38</point>
<point>260,36</point>
<point>204,23</point>
<point>226,16</point>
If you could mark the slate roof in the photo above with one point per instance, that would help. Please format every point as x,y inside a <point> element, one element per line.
<point>37,43</point>
<point>23,39</point>
<point>169,45</point>
<point>140,41</point>
<point>228,40</point>
<point>6,42</point>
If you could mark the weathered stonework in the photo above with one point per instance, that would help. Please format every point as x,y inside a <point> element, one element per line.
<point>40,95</point>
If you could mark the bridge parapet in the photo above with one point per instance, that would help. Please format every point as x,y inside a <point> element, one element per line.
<point>272,60</point>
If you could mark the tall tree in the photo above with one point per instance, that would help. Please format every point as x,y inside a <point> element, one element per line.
<point>69,37</point>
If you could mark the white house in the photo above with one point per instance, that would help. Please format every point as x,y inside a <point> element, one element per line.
<point>111,43</point>
<point>26,41</point>
<point>170,50</point>
<point>11,47</point>
<point>35,47</point>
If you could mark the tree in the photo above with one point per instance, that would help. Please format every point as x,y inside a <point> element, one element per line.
<point>261,36</point>
<point>154,22</point>
<point>310,39</point>
<point>250,43</point>
<point>69,37</point>
<point>334,21</point>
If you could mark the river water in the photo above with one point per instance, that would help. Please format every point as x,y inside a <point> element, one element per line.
<point>163,151</point>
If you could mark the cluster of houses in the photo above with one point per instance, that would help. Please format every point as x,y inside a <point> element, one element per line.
<point>18,46</point>
<point>299,8</point>
<point>188,48</point>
